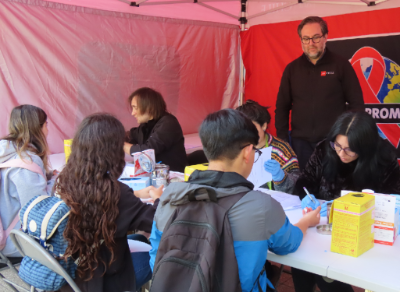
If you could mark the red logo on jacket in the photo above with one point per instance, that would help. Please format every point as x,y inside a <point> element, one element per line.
<point>323,73</point>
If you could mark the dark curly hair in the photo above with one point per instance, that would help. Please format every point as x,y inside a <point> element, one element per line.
<point>89,186</point>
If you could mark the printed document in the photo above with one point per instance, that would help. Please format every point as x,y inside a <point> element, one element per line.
<point>288,202</point>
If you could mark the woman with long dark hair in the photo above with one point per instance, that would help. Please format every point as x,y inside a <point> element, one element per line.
<point>158,129</point>
<point>353,157</point>
<point>103,209</point>
<point>27,143</point>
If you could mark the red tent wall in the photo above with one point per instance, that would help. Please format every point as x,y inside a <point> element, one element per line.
<point>268,48</point>
<point>73,61</point>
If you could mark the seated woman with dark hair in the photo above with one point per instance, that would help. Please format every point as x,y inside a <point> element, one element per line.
<point>353,157</point>
<point>158,129</point>
<point>283,164</point>
<point>103,209</point>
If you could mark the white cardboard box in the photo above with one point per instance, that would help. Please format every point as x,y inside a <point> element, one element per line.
<point>386,219</point>
<point>136,183</point>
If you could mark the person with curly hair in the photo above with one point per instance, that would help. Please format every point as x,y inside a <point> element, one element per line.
<point>103,209</point>
<point>27,142</point>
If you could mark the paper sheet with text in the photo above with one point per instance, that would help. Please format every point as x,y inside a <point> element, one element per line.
<point>258,175</point>
<point>288,202</point>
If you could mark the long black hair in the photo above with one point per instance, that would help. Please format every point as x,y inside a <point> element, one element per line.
<point>374,153</point>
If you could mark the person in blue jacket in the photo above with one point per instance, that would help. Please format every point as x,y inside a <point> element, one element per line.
<point>258,222</point>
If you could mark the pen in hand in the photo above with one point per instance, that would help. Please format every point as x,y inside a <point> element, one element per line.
<point>308,194</point>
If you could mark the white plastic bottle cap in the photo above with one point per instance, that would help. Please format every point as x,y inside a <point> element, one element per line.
<point>368,191</point>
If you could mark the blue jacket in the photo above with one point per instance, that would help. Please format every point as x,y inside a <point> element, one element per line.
<point>258,223</point>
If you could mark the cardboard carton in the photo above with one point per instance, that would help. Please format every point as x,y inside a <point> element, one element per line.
<point>386,219</point>
<point>353,224</point>
<point>191,168</point>
<point>136,183</point>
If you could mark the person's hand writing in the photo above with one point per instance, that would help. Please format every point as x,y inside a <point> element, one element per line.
<point>307,202</point>
<point>127,148</point>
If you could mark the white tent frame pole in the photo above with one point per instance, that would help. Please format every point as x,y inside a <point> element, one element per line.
<point>243,21</point>
<point>145,3</point>
<point>216,9</point>
<point>362,3</point>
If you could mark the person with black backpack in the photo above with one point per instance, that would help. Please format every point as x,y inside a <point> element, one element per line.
<point>213,232</point>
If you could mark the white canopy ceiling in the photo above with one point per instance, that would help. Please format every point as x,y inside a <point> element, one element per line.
<point>228,11</point>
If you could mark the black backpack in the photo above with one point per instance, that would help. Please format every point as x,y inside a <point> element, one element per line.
<point>196,252</point>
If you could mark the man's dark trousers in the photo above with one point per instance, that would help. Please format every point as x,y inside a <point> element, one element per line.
<point>303,150</point>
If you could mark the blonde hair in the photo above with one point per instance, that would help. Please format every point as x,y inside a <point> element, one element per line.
<point>25,132</point>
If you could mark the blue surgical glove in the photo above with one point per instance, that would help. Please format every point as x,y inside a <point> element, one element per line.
<point>324,208</point>
<point>274,168</point>
<point>306,202</point>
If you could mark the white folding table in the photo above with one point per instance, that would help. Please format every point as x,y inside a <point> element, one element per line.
<point>376,270</point>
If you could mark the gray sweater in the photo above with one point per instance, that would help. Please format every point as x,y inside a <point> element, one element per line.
<point>17,187</point>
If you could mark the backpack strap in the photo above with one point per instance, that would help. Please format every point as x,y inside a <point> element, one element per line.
<point>208,193</point>
<point>46,221</point>
<point>229,201</point>
<point>11,227</point>
<point>22,164</point>
<point>30,207</point>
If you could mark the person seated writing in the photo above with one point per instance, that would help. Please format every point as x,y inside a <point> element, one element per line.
<point>27,143</point>
<point>258,222</point>
<point>158,130</point>
<point>353,157</point>
<point>103,209</point>
<point>283,164</point>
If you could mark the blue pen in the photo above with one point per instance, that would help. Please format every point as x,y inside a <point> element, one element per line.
<point>308,194</point>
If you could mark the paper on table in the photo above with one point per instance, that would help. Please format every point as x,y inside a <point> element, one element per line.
<point>138,246</point>
<point>287,201</point>
<point>258,176</point>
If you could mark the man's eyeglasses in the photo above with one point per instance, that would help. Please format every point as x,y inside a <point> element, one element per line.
<point>315,39</point>
<point>335,146</point>
<point>257,154</point>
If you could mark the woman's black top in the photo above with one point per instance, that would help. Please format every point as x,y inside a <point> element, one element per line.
<point>165,136</point>
<point>387,178</point>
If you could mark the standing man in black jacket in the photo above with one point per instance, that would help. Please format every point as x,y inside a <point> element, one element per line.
<point>315,87</point>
